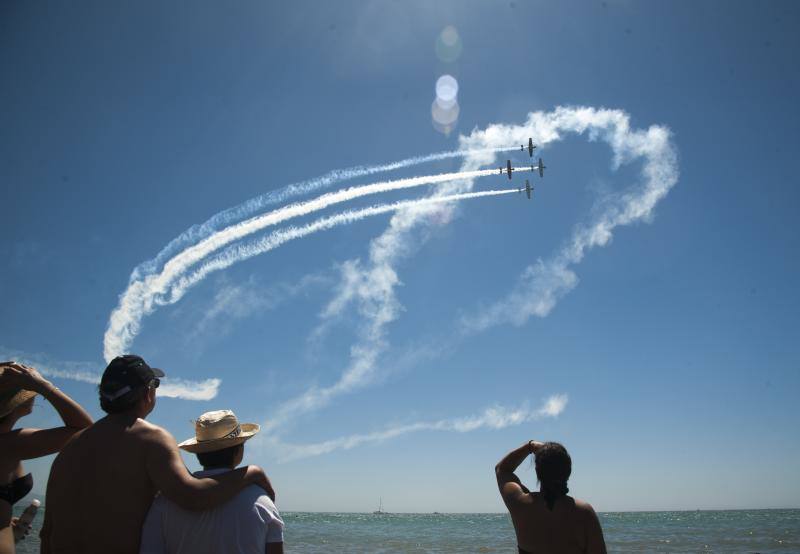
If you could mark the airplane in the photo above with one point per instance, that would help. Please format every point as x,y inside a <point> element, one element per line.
<point>528,189</point>
<point>541,167</point>
<point>531,147</point>
<point>508,169</point>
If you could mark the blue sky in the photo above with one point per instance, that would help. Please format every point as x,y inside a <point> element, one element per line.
<point>677,348</point>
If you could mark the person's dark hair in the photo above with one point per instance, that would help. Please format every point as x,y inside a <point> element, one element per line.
<point>123,403</point>
<point>553,468</point>
<point>219,458</point>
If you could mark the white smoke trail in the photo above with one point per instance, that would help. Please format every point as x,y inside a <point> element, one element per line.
<point>238,253</point>
<point>142,296</point>
<point>189,390</point>
<point>496,417</point>
<point>373,286</point>
<point>544,282</point>
<point>259,203</point>
<point>88,372</point>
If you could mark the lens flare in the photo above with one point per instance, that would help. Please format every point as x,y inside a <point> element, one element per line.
<point>445,115</point>
<point>445,109</point>
<point>448,45</point>
<point>446,88</point>
<point>444,118</point>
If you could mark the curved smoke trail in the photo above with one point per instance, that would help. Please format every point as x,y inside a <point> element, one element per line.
<point>138,302</point>
<point>141,295</point>
<point>371,285</point>
<point>196,233</point>
<point>241,252</point>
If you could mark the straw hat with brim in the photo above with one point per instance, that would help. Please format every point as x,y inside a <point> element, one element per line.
<point>217,430</point>
<point>10,400</point>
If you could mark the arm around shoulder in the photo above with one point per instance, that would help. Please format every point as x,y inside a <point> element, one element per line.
<point>169,475</point>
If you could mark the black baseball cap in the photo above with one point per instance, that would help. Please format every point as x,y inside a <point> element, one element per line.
<point>126,373</point>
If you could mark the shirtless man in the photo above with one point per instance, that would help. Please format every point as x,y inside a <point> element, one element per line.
<point>102,483</point>
<point>548,520</point>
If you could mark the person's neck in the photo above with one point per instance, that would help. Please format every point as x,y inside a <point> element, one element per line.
<point>126,418</point>
<point>226,468</point>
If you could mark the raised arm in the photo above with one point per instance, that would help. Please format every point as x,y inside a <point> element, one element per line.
<point>168,473</point>
<point>24,444</point>
<point>511,488</point>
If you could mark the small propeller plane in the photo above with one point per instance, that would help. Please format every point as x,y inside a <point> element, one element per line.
<point>531,147</point>
<point>541,167</point>
<point>508,169</point>
<point>528,189</point>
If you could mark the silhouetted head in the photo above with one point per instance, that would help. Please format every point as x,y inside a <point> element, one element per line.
<point>129,385</point>
<point>553,468</point>
<point>226,458</point>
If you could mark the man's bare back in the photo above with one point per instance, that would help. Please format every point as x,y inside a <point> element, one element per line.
<point>100,501</point>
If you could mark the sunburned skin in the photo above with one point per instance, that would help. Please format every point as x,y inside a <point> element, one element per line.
<point>102,484</point>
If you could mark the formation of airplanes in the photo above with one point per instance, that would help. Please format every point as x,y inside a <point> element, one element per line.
<point>540,167</point>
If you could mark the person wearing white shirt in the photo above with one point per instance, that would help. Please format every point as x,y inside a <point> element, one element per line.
<point>248,524</point>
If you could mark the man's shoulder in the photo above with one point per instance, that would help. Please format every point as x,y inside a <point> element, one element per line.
<point>257,495</point>
<point>139,434</point>
<point>149,432</point>
<point>257,498</point>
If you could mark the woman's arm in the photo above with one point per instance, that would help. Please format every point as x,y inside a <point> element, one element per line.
<point>25,377</point>
<point>511,461</point>
<point>24,444</point>
<point>511,488</point>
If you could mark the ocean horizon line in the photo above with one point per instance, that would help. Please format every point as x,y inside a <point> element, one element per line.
<point>401,512</point>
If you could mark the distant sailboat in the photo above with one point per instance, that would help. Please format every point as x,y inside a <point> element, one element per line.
<point>379,511</point>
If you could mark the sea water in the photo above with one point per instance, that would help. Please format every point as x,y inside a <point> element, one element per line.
<point>734,531</point>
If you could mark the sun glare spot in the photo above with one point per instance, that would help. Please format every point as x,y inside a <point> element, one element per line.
<point>446,88</point>
<point>448,45</point>
<point>445,109</point>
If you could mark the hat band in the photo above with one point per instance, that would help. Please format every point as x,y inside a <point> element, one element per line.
<point>114,395</point>
<point>232,435</point>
